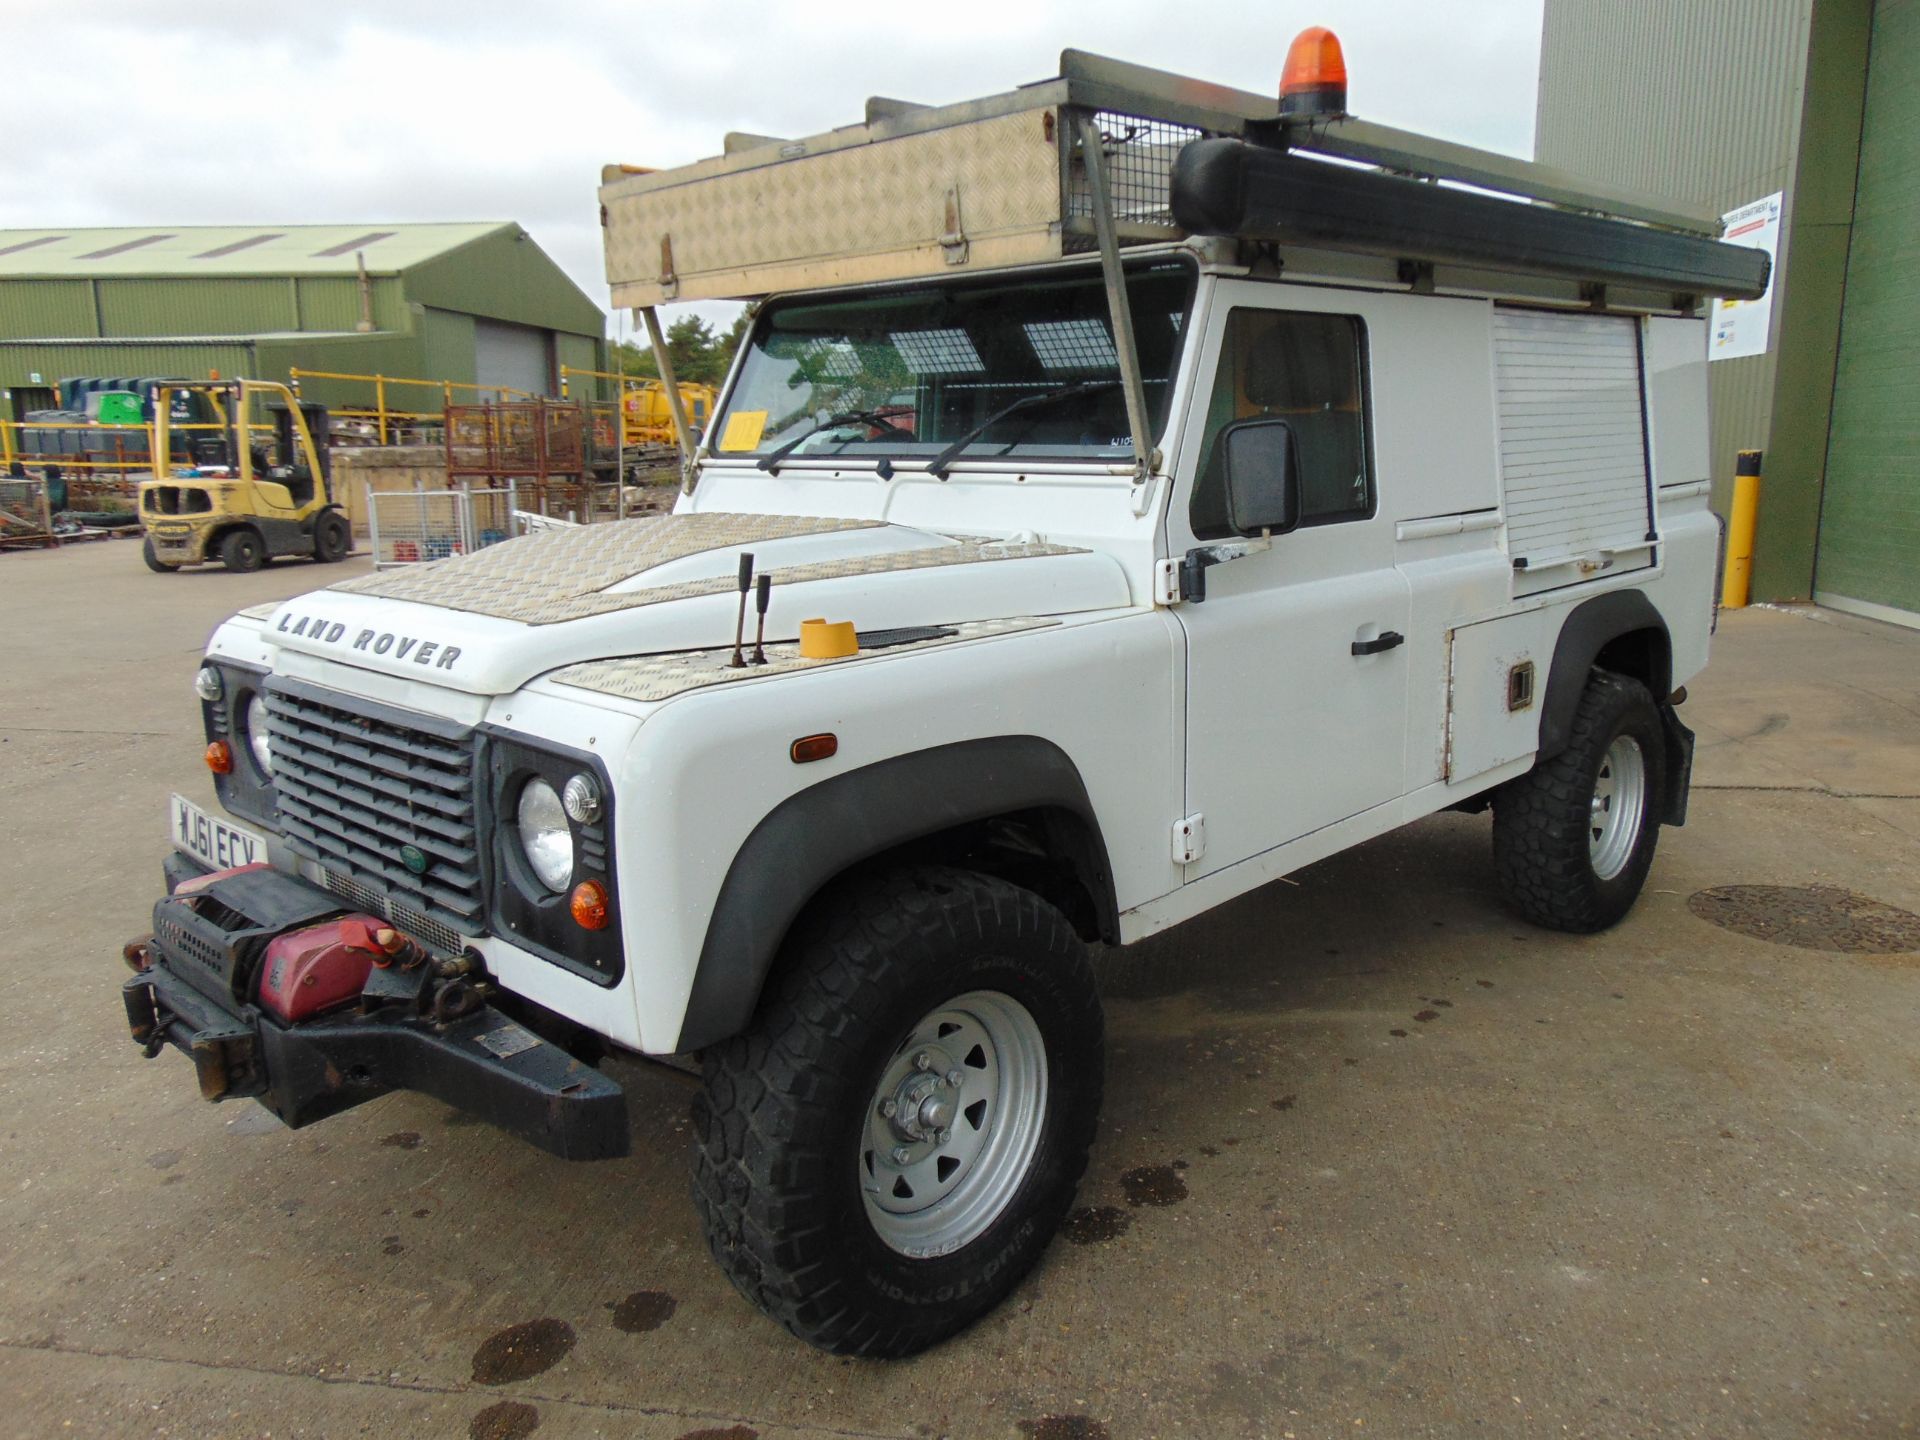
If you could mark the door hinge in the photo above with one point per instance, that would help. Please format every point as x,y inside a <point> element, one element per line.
<point>1189,839</point>
<point>1166,582</point>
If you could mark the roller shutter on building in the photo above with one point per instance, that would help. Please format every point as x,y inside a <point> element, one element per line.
<point>516,357</point>
<point>1869,545</point>
<point>1573,443</point>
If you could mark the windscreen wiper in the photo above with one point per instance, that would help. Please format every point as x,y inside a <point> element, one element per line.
<point>865,417</point>
<point>943,462</point>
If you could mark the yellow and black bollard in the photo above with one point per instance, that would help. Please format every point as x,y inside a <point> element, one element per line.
<point>1741,525</point>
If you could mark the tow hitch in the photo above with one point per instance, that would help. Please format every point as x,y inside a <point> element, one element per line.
<point>278,993</point>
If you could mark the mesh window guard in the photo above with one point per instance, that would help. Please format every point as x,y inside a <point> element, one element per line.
<point>1139,154</point>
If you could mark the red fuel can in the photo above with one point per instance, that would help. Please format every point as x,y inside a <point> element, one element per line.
<point>307,971</point>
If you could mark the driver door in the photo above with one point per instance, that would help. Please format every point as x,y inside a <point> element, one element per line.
<point>1296,686</point>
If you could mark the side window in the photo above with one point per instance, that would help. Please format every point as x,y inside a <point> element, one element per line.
<point>1307,369</point>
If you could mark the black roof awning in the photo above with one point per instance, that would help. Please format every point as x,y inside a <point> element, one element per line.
<point>1254,192</point>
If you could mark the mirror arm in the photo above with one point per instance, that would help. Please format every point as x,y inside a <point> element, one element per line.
<point>1202,558</point>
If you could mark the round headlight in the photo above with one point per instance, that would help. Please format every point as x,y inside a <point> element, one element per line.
<point>545,835</point>
<point>206,684</point>
<point>581,798</point>
<point>258,740</point>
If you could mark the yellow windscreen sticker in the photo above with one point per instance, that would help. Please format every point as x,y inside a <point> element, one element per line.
<point>744,429</point>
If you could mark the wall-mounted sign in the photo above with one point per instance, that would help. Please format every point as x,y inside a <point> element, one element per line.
<point>1739,327</point>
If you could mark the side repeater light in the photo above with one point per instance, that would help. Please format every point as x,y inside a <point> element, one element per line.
<point>1314,83</point>
<point>814,747</point>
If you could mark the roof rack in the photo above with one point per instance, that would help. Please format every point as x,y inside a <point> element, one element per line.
<point>1107,155</point>
<point>913,191</point>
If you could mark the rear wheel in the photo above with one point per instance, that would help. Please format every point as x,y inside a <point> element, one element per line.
<point>154,562</point>
<point>332,537</point>
<point>243,551</point>
<point>1574,837</point>
<point>888,1150</point>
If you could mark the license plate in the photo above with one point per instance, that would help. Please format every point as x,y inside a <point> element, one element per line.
<point>216,843</point>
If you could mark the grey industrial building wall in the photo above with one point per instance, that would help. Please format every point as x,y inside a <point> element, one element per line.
<point>1697,100</point>
<point>1723,102</point>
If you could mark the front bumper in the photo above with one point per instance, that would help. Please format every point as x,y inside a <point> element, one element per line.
<point>479,1060</point>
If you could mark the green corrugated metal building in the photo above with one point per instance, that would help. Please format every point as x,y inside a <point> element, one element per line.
<point>1725,102</point>
<point>477,303</point>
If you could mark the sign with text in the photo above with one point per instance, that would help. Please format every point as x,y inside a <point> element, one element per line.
<point>1739,328</point>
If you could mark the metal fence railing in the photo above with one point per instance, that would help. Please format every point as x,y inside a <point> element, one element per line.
<point>406,527</point>
<point>389,420</point>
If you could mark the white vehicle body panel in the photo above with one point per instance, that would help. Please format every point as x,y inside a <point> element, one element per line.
<point>1249,709</point>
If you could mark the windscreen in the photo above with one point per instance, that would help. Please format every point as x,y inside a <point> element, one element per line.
<point>1028,363</point>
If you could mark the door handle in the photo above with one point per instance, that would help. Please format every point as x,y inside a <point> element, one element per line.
<point>1386,640</point>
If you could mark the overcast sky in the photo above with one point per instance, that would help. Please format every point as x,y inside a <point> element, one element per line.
<point>257,111</point>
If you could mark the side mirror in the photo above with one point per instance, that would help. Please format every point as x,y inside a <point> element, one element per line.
<point>1263,476</point>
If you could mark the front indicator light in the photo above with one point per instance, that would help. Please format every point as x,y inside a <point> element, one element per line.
<point>589,905</point>
<point>220,758</point>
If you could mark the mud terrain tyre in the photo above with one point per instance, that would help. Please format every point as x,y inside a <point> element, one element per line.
<point>154,562</point>
<point>332,538</point>
<point>1574,837</point>
<point>888,1150</point>
<point>243,551</point>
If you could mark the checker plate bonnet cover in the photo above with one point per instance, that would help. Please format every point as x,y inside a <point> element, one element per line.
<point>488,622</point>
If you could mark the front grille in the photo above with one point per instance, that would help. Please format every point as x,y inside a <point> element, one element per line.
<point>358,785</point>
<point>440,939</point>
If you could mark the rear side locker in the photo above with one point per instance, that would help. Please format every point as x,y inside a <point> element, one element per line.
<point>1573,445</point>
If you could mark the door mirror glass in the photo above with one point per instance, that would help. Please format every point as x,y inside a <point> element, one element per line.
<point>1263,476</point>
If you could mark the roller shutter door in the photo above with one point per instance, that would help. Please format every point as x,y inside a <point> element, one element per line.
<point>515,356</point>
<point>1573,445</point>
<point>1869,549</point>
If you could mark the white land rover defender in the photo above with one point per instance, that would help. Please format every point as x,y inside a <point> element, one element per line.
<point>1209,484</point>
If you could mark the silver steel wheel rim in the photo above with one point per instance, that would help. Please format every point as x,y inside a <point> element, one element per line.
<point>952,1127</point>
<point>1618,807</point>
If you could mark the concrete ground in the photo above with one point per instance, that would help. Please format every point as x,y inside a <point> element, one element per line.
<point>1378,1159</point>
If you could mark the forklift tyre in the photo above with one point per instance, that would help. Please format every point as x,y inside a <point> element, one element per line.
<point>332,538</point>
<point>154,562</point>
<point>243,551</point>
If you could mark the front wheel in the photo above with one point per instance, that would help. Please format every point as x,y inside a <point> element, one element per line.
<point>888,1150</point>
<point>243,551</point>
<point>332,537</point>
<point>1573,838</point>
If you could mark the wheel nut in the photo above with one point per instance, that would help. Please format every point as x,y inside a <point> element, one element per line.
<point>900,1153</point>
<point>889,1109</point>
<point>954,1077</point>
<point>923,1061</point>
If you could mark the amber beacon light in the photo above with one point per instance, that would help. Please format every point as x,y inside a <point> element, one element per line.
<point>1314,82</point>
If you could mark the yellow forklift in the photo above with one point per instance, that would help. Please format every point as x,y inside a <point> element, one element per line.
<point>246,498</point>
